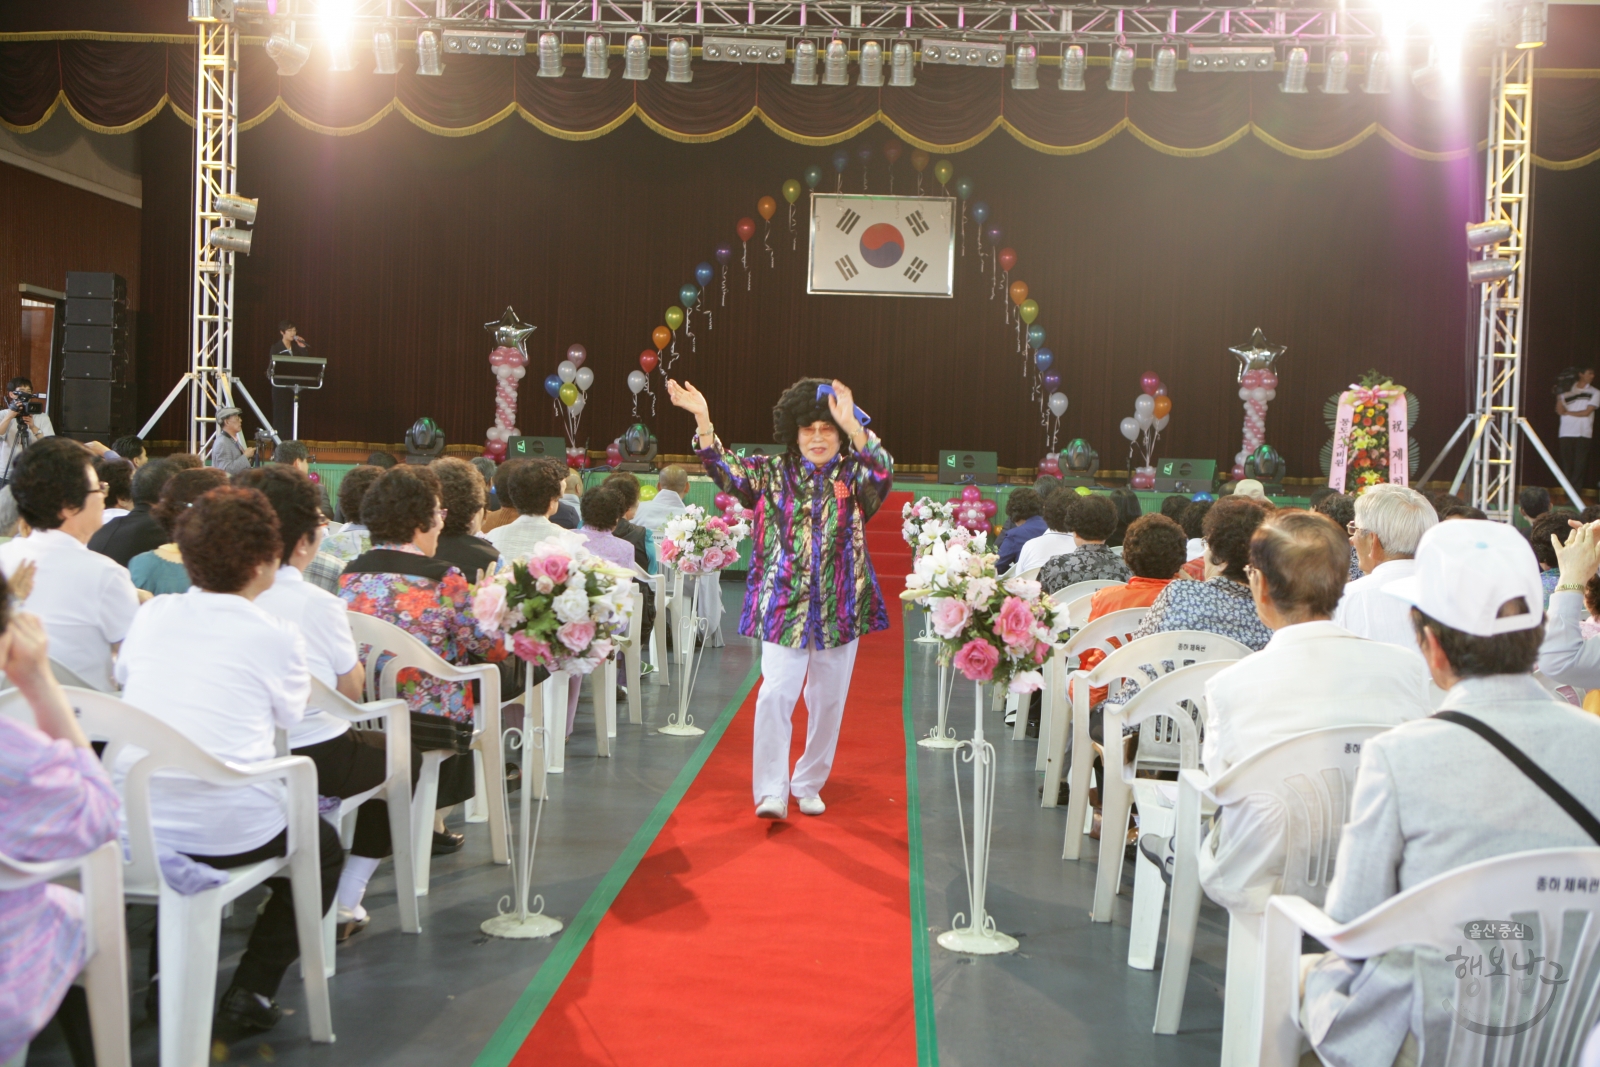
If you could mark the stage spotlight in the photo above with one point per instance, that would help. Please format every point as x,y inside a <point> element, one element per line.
<point>636,59</point>
<point>287,54</point>
<point>805,63</point>
<point>1335,69</point>
<point>1164,71</point>
<point>678,61</point>
<point>596,56</point>
<point>902,69</point>
<point>386,61</point>
<point>230,239</point>
<point>1377,73</point>
<point>836,66</point>
<point>550,65</point>
<point>1490,270</point>
<point>1073,63</point>
<point>1532,26</point>
<point>1025,71</point>
<point>243,208</point>
<point>1480,234</point>
<point>1294,71</point>
<point>1122,63</point>
<point>870,71</point>
<point>428,62</point>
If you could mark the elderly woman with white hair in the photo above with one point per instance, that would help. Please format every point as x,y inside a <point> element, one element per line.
<point>1390,521</point>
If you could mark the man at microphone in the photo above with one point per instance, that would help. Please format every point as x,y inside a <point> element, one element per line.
<point>291,344</point>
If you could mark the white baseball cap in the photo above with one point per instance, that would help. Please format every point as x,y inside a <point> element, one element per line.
<point>1467,571</point>
<point>1250,487</point>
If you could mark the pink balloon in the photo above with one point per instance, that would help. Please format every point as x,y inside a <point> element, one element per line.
<point>722,500</point>
<point>971,492</point>
<point>577,354</point>
<point>1238,471</point>
<point>1268,380</point>
<point>1148,381</point>
<point>497,358</point>
<point>495,450</point>
<point>988,508</point>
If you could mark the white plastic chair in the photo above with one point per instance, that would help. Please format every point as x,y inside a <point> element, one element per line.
<point>1069,593</point>
<point>1106,634</point>
<point>1078,614</point>
<point>1031,574</point>
<point>1311,776</point>
<point>654,586</point>
<point>190,927</point>
<point>1526,888</point>
<point>105,974</point>
<point>393,718</point>
<point>1177,647</point>
<point>603,688</point>
<point>382,638</point>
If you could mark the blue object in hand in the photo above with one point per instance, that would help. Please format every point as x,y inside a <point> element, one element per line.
<point>827,390</point>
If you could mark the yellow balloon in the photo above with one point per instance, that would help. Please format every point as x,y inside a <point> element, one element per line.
<point>791,190</point>
<point>943,171</point>
<point>569,394</point>
<point>673,317</point>
<point>1029,311</point>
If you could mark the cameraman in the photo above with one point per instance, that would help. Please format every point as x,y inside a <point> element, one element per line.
<point>22,422</point>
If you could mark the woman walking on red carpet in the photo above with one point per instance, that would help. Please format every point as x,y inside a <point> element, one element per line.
<point>811,592</point>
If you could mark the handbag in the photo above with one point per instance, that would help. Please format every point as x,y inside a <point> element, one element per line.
<point>435,733</point>
<point>1554,789</point>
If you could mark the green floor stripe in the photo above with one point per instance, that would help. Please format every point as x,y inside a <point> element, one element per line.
<point>525,1013</point>
<point>921,972</point>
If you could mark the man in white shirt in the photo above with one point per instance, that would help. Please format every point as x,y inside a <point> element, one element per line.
<point>1056,540</point>
<point>1313,674</point>
<point>535,489</point>
<point>1390,521</point>
<point>1577,406</point>
<point>668,501</point>
<point>86,600</point>
<point>19,429</point>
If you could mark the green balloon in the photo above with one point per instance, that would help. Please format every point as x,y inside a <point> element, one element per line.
<point>963,187</point>
<point>673,317</point>
<point>791,190</point>
<point>647,492</point>
<point>813,176</point>
<point>1029,311</point>
<point>689,294</point>
<point>569,394</point>
<point>942,171</point>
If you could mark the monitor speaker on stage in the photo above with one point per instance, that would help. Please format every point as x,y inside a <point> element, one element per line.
<point>534,447</point>
<point>1185,475</point>
<point>968,468</point>
<point>759,450</point>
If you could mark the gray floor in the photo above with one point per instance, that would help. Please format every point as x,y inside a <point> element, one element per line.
<point>1066,997</point>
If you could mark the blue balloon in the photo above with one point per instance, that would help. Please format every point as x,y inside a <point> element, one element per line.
<point>1036,335</point>
<point>841,160</point>
<point>1043,358</point>
<point>1201,497</point>
<point>704,273</point>
<point>980,211</point>
<point>552,385</point>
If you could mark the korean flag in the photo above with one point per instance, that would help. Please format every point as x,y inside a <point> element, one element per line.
<point>882,245</point>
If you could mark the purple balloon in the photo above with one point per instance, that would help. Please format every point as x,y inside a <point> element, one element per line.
<point>994,233</point>
<point>577,354</point>
<point>1051,382</point>
<point>724,254</point>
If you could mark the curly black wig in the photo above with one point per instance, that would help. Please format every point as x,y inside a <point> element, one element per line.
<point>800,406</point>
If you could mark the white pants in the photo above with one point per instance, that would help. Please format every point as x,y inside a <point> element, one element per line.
<point>824,676</point>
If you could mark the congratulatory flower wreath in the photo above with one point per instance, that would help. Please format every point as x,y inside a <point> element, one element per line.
<point>992,631</point>
<point>562,608</point>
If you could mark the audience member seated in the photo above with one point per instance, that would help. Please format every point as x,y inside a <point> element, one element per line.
<point>349,761</point>
<point>1221,604</point>
<point>353,539</point>
<point>1024,522</point>
<point>507,512</point>
<point>1046,486</point>
<point>1319,494</point>
<point>1555,523</point>
<point>626,485</point>
<point>1312,675</point>
<point>161,570</point>
<point>1465,511</point>
<point>602,510</point>
<point>382,460</point>
<point>1589,514</point>
<point>1389,521</point>
<point>11,524</point>
<point>1091,519</point>
<point>399,580</point>
<point>118,476</point>
<point>1533,501</point>
<point>1251,489</point>
<point>1567,656</point>
<point>1056,540</point>
<point>138,531</point>
<point>534,487</point>
<point>671,489</point>
<point>1193,523</point>
<point>211,664</point>
<point>1432,796</point>
<point>55,803</point>
<point>1128,508</point>
<point>1173,506</point>
<point>130,448</point>
<point>295,454</point>
<point>461,493</point>
<point>571,491</point>
<point>85,600</point>
<point>1341,508</point>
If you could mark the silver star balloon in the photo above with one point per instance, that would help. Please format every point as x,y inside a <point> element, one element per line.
<point>1257,355</point>
<point>511,331</point>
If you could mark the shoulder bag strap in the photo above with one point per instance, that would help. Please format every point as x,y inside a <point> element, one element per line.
<point>1569,803</point>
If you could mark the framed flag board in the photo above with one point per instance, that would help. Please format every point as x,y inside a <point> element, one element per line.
<point>882,245</point>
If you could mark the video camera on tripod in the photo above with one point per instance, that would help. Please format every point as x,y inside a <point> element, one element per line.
<point>26,403</point>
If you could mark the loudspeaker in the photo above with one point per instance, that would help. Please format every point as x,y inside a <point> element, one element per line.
<point>968,468</point>
<point>1185,475</point>
<point>94,406</point>
<point>96,313</point>
<point>95,285</point>
<point>91,374</point>
<point>111,366</point>
<point>95,339</point>
<point>531,447</point>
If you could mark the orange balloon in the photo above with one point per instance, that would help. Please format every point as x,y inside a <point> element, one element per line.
<point>1019,292</point>
<point>1163,407</point>
<point>767,207</point>
<point>661,336</point>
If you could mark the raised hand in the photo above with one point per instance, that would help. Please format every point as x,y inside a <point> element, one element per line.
<point>843,408</point>
<point>687,397</point>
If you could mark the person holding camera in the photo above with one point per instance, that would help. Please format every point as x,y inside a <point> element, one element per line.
<point>229,453</point>
<point>22,422</point>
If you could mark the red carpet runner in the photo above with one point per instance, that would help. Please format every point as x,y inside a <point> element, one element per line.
<point>741,941</point>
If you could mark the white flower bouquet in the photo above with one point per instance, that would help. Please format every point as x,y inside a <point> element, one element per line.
<point>561,608</point>
<point>924,521</point>
<point>697,544</point>
<point>991,631</point>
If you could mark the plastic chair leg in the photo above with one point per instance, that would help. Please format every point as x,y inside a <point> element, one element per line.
<point>1240,990</point>
<point>105,976</point>
<point>604,690</point>
<point>1078,813</point>
<point>478,804</point>
<point>489,746</point>
<point>190,934</point>
<point>1053,742</point>
<point>1280,1041</point>
<point>1116,801</point>
<point>423,804</point>
<point>397,791</point>
<point>1149,891</point>
<point>305,876</point>
<point>635,695</point>
<point>1183,916</point>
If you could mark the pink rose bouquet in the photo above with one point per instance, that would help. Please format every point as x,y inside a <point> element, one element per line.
<point>561,608</point>
<point>696,544</point>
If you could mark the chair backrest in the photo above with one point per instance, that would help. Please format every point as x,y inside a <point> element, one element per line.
<point>1312,776</point>
<point>66,676</point>
<point>1164,652</point>
<point>1031,574</point>
<point>19,874</point>
<point>1107,633</point>
<point>1522,932</point>
<point>1077,608</point>
<point>1168,712</point>
<point>1077,589</point>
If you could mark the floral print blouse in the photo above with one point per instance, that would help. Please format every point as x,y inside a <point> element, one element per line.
<point>429,598</point>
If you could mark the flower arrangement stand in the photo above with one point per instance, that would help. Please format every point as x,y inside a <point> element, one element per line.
<point>554,689</point>
<point>926,636</point>
<point>942,736</point>
<point>691,628</point>
<point>976,936</point>
<point>516,918</point>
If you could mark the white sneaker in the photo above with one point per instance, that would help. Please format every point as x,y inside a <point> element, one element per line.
<point>812,806</point>
<point>772,808</point>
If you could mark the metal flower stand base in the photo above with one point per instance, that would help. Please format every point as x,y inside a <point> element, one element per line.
<point>978,936</point>
<point>926,636</point>
<point>942,736</point>
<point>516,919</point>
<point>691,631</point>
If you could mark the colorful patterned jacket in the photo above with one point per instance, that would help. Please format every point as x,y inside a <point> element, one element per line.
<point>811,583</point>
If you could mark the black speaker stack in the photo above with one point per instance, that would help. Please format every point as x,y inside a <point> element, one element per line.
<point>94,396</point>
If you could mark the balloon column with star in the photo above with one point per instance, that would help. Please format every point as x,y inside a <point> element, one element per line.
<point>1152,410</point>
<point>1258,386</point>
<point>509,362</point>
